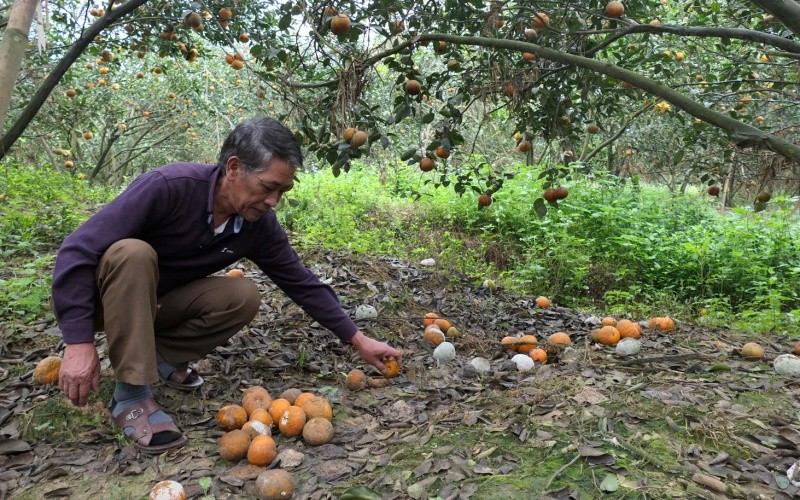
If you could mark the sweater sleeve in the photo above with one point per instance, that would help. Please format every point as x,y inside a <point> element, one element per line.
<point>278,260</point>
<point>74,291</point>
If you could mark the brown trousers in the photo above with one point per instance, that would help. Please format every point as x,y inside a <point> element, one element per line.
<point>181,326</point>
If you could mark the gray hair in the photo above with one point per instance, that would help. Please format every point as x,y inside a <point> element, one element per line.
<point>257,141</point>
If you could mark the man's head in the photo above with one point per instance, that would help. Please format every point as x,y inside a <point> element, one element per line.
<point>256,142</point>
<point>257,165</point>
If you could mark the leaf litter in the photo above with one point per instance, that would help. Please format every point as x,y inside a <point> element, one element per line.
<point>687,416</point>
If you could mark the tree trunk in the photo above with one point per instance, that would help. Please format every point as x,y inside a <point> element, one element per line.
<point>12,50</point>
<point>787,12</point>
<point>727,188</point>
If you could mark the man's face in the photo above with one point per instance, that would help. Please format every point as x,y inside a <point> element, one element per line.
<point>256,193</point>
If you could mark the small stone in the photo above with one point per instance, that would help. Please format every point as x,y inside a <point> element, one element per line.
<point>427,262</point>
<point>444,352</point>
<point>523,361</point>
<point>366,311</point>
<point>481,365</point>
<point>628,347</point>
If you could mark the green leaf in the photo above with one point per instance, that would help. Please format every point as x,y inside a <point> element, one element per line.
<point>285,21</point>
<point>408,154</point>
<point>610,483</point>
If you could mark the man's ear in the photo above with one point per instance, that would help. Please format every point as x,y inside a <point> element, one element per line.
<point>232,167</point>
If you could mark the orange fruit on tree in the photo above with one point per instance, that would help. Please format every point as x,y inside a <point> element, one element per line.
<point>484,200</point>
<point>510,90</point>
<point>392,367</point>
<point>615,9</point>
<point>529,56</point>
<point>244,37</point>
<point>592,128</point>
<point>277,408</point>
<point>549,194</point>
<point>340,24</point>
<point>510,343</point>
<point>713,190</point>
<point>88,135</point>
<point>426,164</point>
<point>70,92</point>
<point>359,139</point>
<point>317,407</point>
<point>356,380</point>
<point>255,428</point>
<point>607,335</point>
<point>274,484</point>
<point>543,302</point>
<point>46,371</point>
<point>540,21</point>
<point>526,343</point>
<point>443,324</point>
<point>233,445</point>
<point>561,192</point>
<point>225,13</point>
<point>237,64</point>
<point>348,133</point>
<point>628,328</point>
<point>429,318</point>
<point>524,146</point>
<point>262,415</point>
<point>318,431</point>
<point>413,87</point>
<point>69,164</point>
<point>434,335</point>
<point>292,421</point>
<point>303,397</point>
<point>440,46</point>
<point>291,394</point>
<point>262,451</point>
<point>608,321</point>
<point>539,355</point>
<point>231,417</point>
<point>442,152</point>
<point>559,338</point>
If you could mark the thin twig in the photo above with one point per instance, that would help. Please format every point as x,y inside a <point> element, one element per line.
<point>562,469</point>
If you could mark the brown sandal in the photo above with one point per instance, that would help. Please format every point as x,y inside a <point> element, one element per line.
<point>136,415</point>
<point>186,379</point>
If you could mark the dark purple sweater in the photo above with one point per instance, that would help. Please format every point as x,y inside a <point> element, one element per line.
<point>169,208</point>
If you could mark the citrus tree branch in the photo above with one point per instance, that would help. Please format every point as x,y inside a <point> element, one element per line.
<point>703,32</point>
<point>743,134</point>
<point>616,135</point>
<point>72,54</point>
<point>787,12</point>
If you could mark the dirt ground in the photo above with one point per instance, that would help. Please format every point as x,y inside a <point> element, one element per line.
<point>686,417</point>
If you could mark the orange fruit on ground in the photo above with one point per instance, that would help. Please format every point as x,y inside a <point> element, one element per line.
<point>526,344</point>
<point>356,380</point>
<point>796,350</point>
<point>262,451</point>
<point>663,324</point>
<point>318,431</point>
<point>303,397</point>
<point>277,408</point>
<point>484,200</point>
<point>607,335</point>
<point>292,421</point>
<point>340,24</point>
<point>510,343</point>
<point>317,407</point>
<point>753,351</point>
<point>168,490</point>
<point>254,401</point>
<point>392,367</point>
<point>443,324</point>
<point>434,335</point>
<point>255,428</point>
<point>348,133</point>
<point>628,328</point>
<point>452,332</point>
<point>540,21</point>
<point>608,321</point>
<point>256,390</point>
<point>231,417</point>
<point>442,152</point>
<point>543,302</point>
<point>290,394</point>
<point>559,338</point>
<point>615,9</point>
<point>46,371</point>
<point>262,415</point>
<point>429,318</point>
<point>233,445</point>
<point>274,484</point>
<point>539,355</point>
<point>235,273</point>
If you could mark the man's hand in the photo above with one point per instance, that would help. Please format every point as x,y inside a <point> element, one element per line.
<point>374,351</point>
<point>80,372</point>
